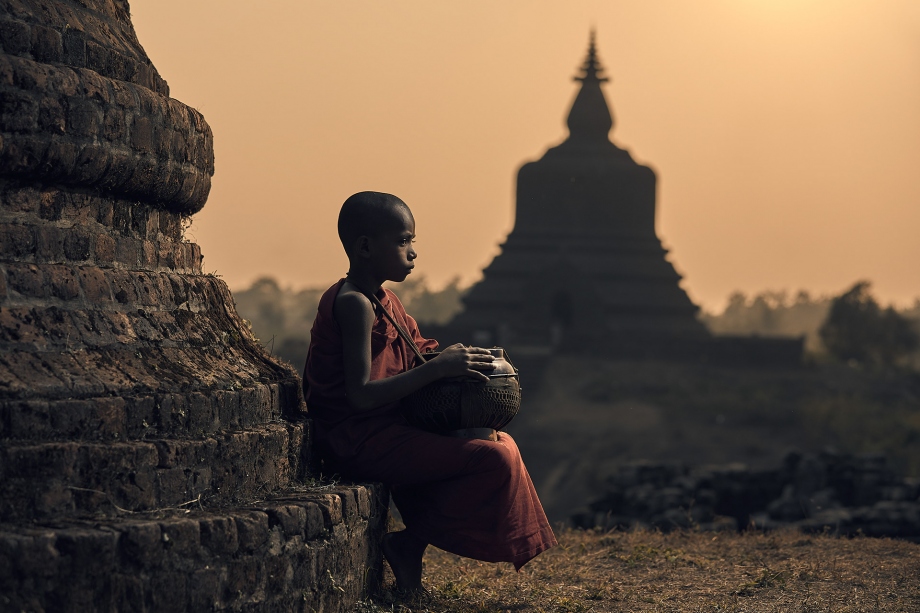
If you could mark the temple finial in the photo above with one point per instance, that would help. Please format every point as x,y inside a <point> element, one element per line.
<point>590,118</point>
<point>592,68</point>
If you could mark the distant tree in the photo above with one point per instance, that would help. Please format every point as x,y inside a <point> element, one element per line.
<point>429,306</point>
<point>772,313</point>
<point>858,329</point>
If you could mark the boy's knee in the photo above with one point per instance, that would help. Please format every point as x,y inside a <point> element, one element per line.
<point>495,456</point>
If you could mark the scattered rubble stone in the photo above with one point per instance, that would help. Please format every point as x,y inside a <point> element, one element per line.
<point>819,492</point>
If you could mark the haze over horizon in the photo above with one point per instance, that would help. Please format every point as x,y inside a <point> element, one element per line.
<point>785,135</point>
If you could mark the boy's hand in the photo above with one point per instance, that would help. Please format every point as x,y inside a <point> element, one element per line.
<point>462,361</point>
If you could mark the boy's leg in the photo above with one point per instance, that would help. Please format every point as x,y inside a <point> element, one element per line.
<point>473,498</point>
<point>405,456</point>
<point>404,551</point>
<point>418,465</point>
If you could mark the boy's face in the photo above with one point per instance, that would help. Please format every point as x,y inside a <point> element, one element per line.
<point>391,251</point>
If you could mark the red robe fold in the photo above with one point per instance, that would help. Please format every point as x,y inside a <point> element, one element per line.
<point>471,497</point>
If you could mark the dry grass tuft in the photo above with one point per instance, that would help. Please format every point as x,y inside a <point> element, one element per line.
<point>681,572</point>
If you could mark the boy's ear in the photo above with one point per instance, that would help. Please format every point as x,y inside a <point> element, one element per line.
<point>363,247</point>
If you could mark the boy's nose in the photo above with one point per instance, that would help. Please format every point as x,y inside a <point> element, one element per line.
<point>412,254</point>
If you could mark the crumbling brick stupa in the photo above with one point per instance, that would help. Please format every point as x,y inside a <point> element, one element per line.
<point>153,457</point>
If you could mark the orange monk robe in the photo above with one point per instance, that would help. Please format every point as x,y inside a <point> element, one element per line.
<point>470,497</point>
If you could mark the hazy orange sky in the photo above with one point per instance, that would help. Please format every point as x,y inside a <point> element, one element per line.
<point>785,133</point>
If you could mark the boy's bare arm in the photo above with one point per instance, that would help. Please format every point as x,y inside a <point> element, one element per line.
<point>355,316</point>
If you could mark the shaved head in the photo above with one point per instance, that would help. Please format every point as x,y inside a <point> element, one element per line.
<point>368,214</point>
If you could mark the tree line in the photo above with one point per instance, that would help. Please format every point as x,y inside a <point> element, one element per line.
<point>851,327</point>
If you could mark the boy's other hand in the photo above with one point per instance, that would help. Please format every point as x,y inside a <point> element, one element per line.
<point>462,361</point>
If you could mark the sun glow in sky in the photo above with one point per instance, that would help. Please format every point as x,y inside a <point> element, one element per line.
<point>785,135</point>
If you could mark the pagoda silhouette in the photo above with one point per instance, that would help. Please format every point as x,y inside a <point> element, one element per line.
<point>583,268</point>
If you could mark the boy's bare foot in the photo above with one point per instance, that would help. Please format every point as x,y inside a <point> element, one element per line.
<point>404,552</point>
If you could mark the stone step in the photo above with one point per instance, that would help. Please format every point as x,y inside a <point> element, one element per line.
<point>309,549</point>
<point>201,319</point>
<point>145,417</point>
<point>71,287</point>
<point>137,370</point>
<point>72,479</point>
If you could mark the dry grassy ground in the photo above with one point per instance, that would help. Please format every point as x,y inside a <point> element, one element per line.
<point>681,572</point>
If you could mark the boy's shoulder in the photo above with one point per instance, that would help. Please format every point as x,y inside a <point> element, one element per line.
<point>351,306</point>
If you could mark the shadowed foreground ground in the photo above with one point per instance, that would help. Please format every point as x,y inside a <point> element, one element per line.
<point>681,572</point>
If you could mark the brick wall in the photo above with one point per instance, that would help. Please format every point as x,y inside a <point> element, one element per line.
<point>153,456</point>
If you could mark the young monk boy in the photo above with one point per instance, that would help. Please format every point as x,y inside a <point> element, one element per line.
<point>471,497</point>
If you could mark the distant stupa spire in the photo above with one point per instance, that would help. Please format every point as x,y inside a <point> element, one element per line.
<point>592,67</point>
<point>590,117</point>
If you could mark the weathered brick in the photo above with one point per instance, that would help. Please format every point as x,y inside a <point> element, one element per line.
<point>144,76</point>
<point>127,251</point>
<point>278,574</point>
<point>141,544</point>
<point>142,134</point>
<point>204,590</point>
<point>202,417</point>
<point>118,67</point>
<point>121,168</point>
<point>292,519</point>
<point>18,112</point>
<point>52,203</point>
<point>219,535</point>
<point>166,255</point>
<point>83,117</point>
<point>228,408</point>
<point>16,240</point>
<point>51,116</point>
<point>95,285</point>
<point>22,200</point>
<point>49,243</point>
<point>127,592</point>
<point>171,226</point>
<point>62,282</point>
<point>114,127</point>
<point>139,415</point>
<point>27,280</point>
<point>27,420</point>
<point>181,537</point>
<point>122,284</point>
<point>123,95</point>
<point>169,591</point>
<point>172,412</point>
<point>88,548</point>
<point>104,211</point>
<point>104,249</point>
<point>363,498</point>
<point>74,47</point>
<point>96,88</point>
<point>149,255</point>
<point>244,578</point>
<point>97,56</point>
<point>60,158</point>
<point>16,37</point>
<point>252,528</point>
<point>92,162</point>
<point>46,44</point>
<point>77,244</point>
<point>305,571</point>
<point>331,508</point>
<point>171,484</point>
<point>349,505</point>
